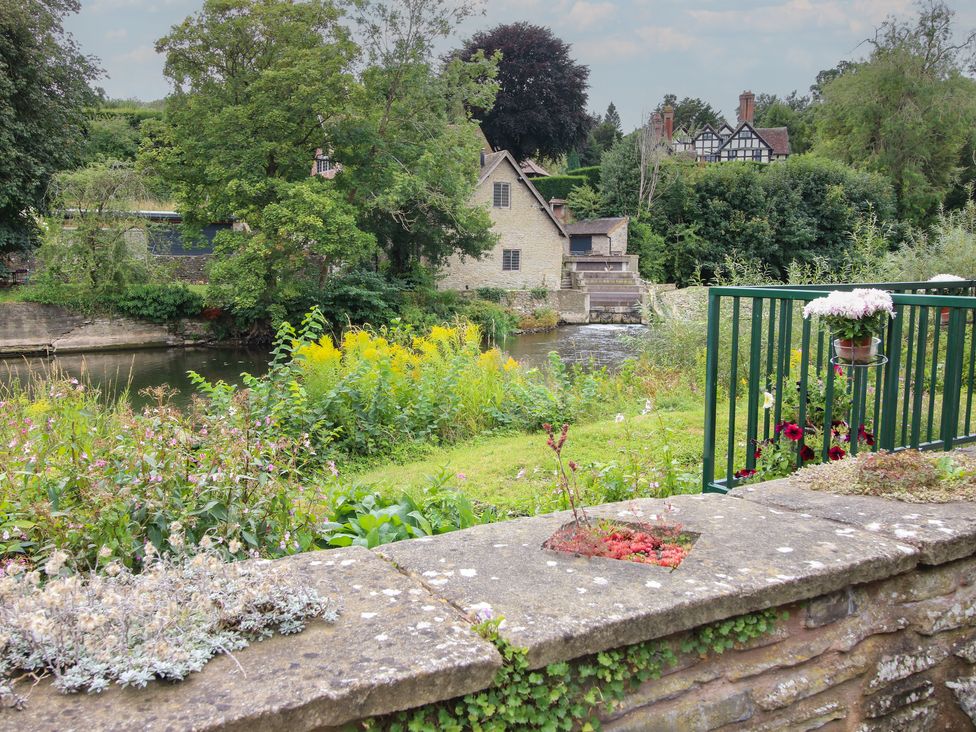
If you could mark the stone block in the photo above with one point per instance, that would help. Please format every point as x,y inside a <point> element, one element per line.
<point>964,690</point>
<point>927,582</point>
<point>812,714</point>
<point>943,613</point>
<point>895,667</point>
<point>830,608</point>
<point>394,646</point>
<point>813,678</point>
<point>940,532</point>
<point>898,695</point>
<point>917,718</point>
<point>966,650</point>
<point>559,606</point>
<point>698,712</point>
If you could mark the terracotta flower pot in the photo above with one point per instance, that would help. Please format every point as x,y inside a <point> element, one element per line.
<point>857,350</point>
<point>945,316</point>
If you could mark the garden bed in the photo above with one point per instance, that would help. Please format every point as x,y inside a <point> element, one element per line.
<point>661,545</point>
<point>909,475</point>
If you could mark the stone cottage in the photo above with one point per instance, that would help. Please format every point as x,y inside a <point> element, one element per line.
<point>531,240</point>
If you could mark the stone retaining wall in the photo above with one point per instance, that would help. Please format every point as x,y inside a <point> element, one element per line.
<point>33,328</point>
<point>881,633</point>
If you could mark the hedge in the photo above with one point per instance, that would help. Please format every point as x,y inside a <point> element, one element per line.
<point>558,186</point>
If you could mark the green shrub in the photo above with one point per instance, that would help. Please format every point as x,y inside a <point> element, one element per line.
<point>359,297</point>
<point>491,294</point>
<point>558,186</point>
<point>591,173</point>
<point>496,322</point>
<point>159,303</point>
<point>539,293</point>
<point>540,319</point>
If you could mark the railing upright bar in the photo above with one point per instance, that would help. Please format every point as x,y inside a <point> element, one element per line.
<point>770,352</point>
<point>755,363</point>
<point>972,374</point>
<point>820,350</point>
<point>733,391</point>
<point>909,353</point>
<point>889,415</point>
<point>782,357</point>
<point>918,384</point>
<point>828,409</point>
<point>804,376</point>
<point>952,380</point>
<point>934,377</point>
<point>856,408</point>
<point>711,388</point>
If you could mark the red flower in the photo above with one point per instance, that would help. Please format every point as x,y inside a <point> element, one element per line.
<point>758,453</point>
<point>793,431</point>
<point>745,473</point>
<point>836,452</point>
<point>807,453</point>
<point>779,428</point>
<point>838,369</point>
<point>863,434</point>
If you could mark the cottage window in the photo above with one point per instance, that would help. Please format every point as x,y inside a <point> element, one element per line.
<point>323,165</point>
<point>757,155</point>
<point>502,197</point>
<point>511,259</point>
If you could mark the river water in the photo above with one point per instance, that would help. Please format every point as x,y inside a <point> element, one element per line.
<point>138,370</point>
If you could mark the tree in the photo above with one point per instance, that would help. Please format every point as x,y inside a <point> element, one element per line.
<point>908,111</point>
<point>691,113</point>
<point>45,84</point>
<point>540,109</point>
<point>605,131</point>
<point>799,122</point>
<point>258,85</point>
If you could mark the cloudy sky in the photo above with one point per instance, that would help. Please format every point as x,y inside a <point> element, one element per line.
<point>637,50</point>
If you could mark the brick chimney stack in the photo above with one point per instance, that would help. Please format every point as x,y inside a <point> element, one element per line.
<point>747,107</point>
<point>657,126</point>
<point>668,122</point>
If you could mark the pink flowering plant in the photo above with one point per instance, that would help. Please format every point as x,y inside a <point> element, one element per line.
<point>853,315</point>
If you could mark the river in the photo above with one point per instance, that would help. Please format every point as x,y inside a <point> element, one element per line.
<point>138,370</point>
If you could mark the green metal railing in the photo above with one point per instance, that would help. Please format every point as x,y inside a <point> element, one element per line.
<point>759,343</point>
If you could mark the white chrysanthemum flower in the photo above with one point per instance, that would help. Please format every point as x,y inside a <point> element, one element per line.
<point>946,278</point>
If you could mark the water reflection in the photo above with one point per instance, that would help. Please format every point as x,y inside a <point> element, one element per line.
<point>602,345</point>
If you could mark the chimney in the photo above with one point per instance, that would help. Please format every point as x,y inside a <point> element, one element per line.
<point>747,107</point>
<point>559,209</point>
<point>482,157</point>
<point>657,126</point>
<point>668,122</point>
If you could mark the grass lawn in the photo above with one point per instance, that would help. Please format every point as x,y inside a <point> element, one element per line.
<point>491,465</point>
<point>13,294</point>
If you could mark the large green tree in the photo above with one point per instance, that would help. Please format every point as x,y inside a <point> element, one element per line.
<point>45,84</point>
<point>908,111</point>
<point>258,85</point>
<point>691,113</point>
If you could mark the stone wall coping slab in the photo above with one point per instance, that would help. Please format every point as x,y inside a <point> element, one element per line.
<point>748,557</point>
<point>941,532</point>
<point>394,646</point>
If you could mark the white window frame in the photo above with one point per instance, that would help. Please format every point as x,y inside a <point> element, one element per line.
<point>501,194</point>
<point>514,260</point>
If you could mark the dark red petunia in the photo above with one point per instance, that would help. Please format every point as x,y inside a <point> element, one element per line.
<point>745,473</point>
<point>836,453</point>
<point>807,453</point>
<point>779,428</point>
<point>793,431</point>
<point>863,434</point>
<point>758,453</point>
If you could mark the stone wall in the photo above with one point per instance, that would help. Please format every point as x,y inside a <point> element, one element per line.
<point>33,328</point>
<point>881,633</point>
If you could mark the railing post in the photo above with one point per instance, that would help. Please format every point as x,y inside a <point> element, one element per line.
<point>711,390</point>
<point>952,381</point>
<point>889,405</point>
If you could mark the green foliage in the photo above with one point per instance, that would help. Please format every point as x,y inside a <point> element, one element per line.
<point>491,294</point>
<point>558,186</point>
<point>79,475</point>
<point>591,173</point>
<point>495,322</point>
<point>539,293</point>
<point>907,112</point>
<point>159,303</point>
<point>358,297</point>
<point>691,113</point>
<point>539,319</point>
<point>105,247</point>
<point>947,247</point>
<point>585,203</point>
<point>44,88</point>
<point>569,695</point>
<point>800,209</point>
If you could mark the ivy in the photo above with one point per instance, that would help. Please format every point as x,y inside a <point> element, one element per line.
<point>568,695</point>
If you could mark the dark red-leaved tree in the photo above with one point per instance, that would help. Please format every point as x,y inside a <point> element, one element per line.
<point>541,106</point>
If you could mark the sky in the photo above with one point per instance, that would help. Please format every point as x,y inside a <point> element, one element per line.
<point>637,50</point>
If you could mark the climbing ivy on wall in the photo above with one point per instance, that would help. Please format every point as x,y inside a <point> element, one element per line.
<point>571,694</point>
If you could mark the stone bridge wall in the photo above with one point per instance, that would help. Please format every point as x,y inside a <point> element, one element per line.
<point>881,633</point>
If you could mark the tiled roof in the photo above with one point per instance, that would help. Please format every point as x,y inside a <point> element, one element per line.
<point>595,226</point>
<point>531,167</point>
<point>777,137</point>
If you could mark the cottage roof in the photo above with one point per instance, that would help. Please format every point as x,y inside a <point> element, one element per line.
<point>493,160</point>
<point>777,137</point>
<point>531,167</point>
<point>596,226</point>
